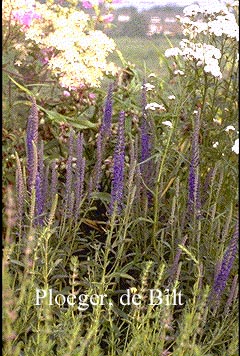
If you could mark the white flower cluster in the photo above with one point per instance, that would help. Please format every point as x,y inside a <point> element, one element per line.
<point>224,23</point>
<point>77,54</point>
<point>235,147</point>
<point>148,86</point>
<point>153,106</point>
<point>215,20</point>
<point>203,54</point>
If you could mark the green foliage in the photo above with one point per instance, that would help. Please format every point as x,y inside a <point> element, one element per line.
<point>149,246</point>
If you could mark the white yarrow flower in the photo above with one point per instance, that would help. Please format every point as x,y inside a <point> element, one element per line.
<point>229,128</point>
<point>153,106</point>
<point>177,71</point>
<point>148,86</point>
<point>214,70</point>
<point>167,123</point>
<point>191,10</point>
<point>235,147</point>
<point>172,52</point>
<point>215,144</point>
<point>171,97</point>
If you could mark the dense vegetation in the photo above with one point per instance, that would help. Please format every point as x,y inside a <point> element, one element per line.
<point>122,181</point>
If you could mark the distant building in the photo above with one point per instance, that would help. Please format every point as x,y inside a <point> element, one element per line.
<point>170,20</point>
<point>123,18</point>
<point>154,26</point>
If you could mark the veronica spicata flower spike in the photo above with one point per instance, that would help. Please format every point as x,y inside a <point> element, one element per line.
<point>32,138</point>
<point>118,167</point>
<point>39,186</point>
<point>226,266</point>
<point>107,118</point>
<point>194,204</point>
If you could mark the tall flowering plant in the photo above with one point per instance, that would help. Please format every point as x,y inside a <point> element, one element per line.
<point>206,63</point>
<point>118,167</point>
<point>77,57</point>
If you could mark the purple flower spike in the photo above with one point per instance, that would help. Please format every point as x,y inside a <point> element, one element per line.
<point>107,118</point>
<point>32,137</point>
<point>118,167</point>
<point>194,204</point>
<point>226,266</point>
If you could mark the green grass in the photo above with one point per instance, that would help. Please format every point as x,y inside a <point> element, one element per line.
<point>145,53</point>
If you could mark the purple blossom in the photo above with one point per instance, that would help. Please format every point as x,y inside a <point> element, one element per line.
<point>32,138</point>
<point>39,186</point>
<point>107,117</point>
<point>225,267</point>
<point>194,204</point>
<point>118,167</point>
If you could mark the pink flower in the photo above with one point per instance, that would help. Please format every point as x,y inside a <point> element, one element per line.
<point>108,18</point>
<point>66,93</point>
<point>88,4</point>
<point>92,96</point>
<point>46,53</point>
<point>25,18</point>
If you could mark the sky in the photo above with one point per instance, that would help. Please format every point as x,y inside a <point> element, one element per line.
<point>146,4</point>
